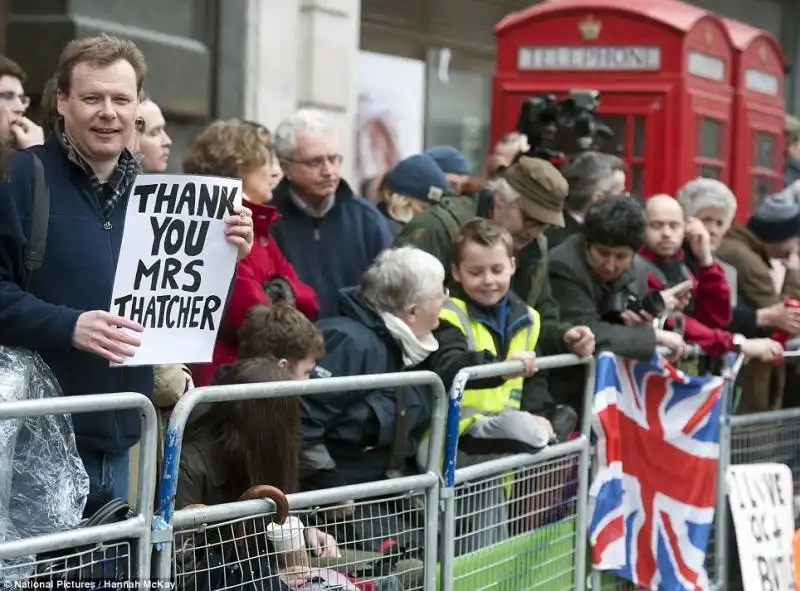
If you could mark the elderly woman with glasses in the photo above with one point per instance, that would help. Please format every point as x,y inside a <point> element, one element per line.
<point>713,203</point>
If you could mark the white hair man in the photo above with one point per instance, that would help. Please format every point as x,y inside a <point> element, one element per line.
<point>326,232</point>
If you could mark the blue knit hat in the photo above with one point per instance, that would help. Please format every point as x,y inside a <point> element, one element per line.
<point>450,160</point>
<point>775,219</point>
<point>419,177</point>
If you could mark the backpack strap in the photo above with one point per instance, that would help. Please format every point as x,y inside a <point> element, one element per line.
<point>40,222</point>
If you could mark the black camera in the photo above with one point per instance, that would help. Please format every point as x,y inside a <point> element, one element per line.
<point>652,303</point>
<point>555,128</point>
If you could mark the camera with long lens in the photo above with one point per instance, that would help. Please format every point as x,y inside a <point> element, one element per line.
<point>652,303</point>
<point>556,128</point>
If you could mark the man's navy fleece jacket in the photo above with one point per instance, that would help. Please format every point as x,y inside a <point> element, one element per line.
<point>77,276</point>
<point>332,252</point>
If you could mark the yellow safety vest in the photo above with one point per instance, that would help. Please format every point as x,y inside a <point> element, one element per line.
<point>488,401</point>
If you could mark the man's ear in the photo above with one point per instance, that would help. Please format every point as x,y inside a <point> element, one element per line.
<point>513,265</point>
<point>61,102</point>
<point>283,363</point>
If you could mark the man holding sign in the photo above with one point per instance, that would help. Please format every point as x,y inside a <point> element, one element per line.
<point>60,310</point>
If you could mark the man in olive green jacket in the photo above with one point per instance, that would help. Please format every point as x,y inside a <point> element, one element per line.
<point>526,200</point>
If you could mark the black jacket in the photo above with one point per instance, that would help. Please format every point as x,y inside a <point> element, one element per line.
<point>556,236</point>
<point>583,298</point>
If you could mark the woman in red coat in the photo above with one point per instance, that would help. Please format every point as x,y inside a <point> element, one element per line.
<point>241,149</point>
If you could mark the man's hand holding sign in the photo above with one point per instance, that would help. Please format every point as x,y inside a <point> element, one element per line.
<point>183,235</point>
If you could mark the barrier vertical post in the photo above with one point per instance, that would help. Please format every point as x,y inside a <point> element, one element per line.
<point>449,477</point>
<point>582,509</point>
<point>721,513</point>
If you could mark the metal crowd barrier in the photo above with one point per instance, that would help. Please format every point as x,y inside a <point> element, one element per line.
<point>234,533</point>
<point>517,522</point>
<point>749,439</point>
<point>86,554</point>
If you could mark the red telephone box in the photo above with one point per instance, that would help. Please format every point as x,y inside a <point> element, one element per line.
<point>663,68</point>
<point>758,128</point>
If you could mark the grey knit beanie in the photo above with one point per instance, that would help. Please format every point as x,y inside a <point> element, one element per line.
<point>775,219</point>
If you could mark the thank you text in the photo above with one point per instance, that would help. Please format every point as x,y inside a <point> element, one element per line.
<point>175,266</point>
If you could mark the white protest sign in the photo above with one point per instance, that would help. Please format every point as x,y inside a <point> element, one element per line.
<point>175,266</point>
<point>762,503</point>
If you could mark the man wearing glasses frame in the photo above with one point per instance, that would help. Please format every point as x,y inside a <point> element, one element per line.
<point>22,132</point>
<point>328,234</point>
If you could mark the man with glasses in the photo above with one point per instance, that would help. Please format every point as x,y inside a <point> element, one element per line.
<point>328,234</point>
<point>23,133</point>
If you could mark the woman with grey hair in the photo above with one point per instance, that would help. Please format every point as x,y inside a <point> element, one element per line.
<point>714,204</point>
<point>386,326</point>
<point>711,202</point>
<point>370,435</point>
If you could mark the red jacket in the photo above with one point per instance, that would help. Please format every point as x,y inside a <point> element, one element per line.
<point>711,301</point>
<point>264,262</point>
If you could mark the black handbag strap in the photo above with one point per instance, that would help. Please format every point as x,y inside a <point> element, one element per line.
<point>40,222</point>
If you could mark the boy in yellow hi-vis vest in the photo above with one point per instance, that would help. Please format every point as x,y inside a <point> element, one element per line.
<point>483,322</point>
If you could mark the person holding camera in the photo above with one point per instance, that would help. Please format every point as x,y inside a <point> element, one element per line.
<point>600,282</point>
<point>674,245</point>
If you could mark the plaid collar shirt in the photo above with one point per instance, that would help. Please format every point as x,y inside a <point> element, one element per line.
<point>120,180</point>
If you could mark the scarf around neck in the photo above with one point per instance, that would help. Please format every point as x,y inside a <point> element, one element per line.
<point>415,350</point>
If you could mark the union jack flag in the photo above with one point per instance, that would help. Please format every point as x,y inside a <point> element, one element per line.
<point>657,436</point>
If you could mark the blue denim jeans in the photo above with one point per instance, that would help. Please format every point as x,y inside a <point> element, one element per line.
<point>108,478</point>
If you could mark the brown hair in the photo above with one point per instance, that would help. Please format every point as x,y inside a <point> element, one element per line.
<point>248,431</point>
<point>482,232</point>
<point>263,134</point>
<point>99,52</point>
<point>9,67</point>
<point>279,331</point>
<point>229,148</point>
<point>48,108</point>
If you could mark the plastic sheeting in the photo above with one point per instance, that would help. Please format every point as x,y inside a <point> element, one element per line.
<point>43,484</point>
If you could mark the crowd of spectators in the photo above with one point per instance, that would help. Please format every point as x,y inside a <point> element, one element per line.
<point>445,270</point>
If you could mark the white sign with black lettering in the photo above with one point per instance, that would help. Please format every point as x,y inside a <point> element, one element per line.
<point>589,58</point>
<point>762,503</point>
<point>175,266</point>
